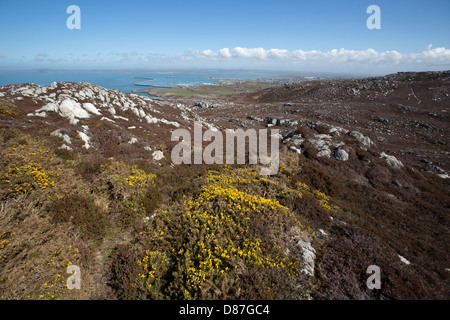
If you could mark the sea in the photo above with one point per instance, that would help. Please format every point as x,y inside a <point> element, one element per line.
<point>126,82</point>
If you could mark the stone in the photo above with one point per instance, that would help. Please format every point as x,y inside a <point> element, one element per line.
<point>439,172</point>
<point>296,150</point>
<point>272,121</point>
<point>397,183</point>
<point>201,104</point>
<point>297,141</point>
<point>309,257</point>
<point>85,139</point>
<point>340,154</point>
<point>60,134</point>
<point>89,107</point>
<point>392,161</point>
<point>72,109</point>
<point>404,260</point>
<point>321,142</point>
<point>361,138</point>
<point>157,155</point>
<point>336,131</point>
<point>292,134</point>
<point>255,118</point>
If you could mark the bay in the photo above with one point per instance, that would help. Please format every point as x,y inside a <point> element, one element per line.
<point>127,82</point>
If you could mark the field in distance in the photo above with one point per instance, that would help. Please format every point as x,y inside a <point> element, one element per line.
<point>209,90</point>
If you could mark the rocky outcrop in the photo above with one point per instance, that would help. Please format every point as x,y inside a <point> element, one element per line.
<point>205,105</point>
<point>308,257</point>
<point>84,100</point>
<point>323,143</point>
<point>361,138</point>
<point>340,154</point>
<point>392,161</point>
<point>86,105</point>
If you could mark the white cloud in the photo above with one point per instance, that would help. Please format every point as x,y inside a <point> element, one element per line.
<point>369,56</point>
<point>225,52</point>
<point>335,60</point>
<point>201,54</point>
<point>249,53</point>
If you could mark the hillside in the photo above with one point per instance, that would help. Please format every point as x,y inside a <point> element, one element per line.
<point>86,179</point>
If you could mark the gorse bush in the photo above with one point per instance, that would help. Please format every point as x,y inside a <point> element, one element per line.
<point>27,178</point>
<point>324,200</point>
<point>208,246</point>
<point>27,169</point>
<point>122,181</point>
<point>153,267</point>
<point>131,191</point>
<point>30,168</point>
<point>9,108</point>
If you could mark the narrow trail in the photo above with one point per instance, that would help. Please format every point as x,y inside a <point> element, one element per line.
<point>412,91</point>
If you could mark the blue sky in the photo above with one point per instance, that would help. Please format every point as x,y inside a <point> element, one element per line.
<point>326,36</point>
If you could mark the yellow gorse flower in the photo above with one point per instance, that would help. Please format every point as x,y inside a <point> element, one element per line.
<point>221,217</point>
<point>324,200</point>
<point>27,178</point>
